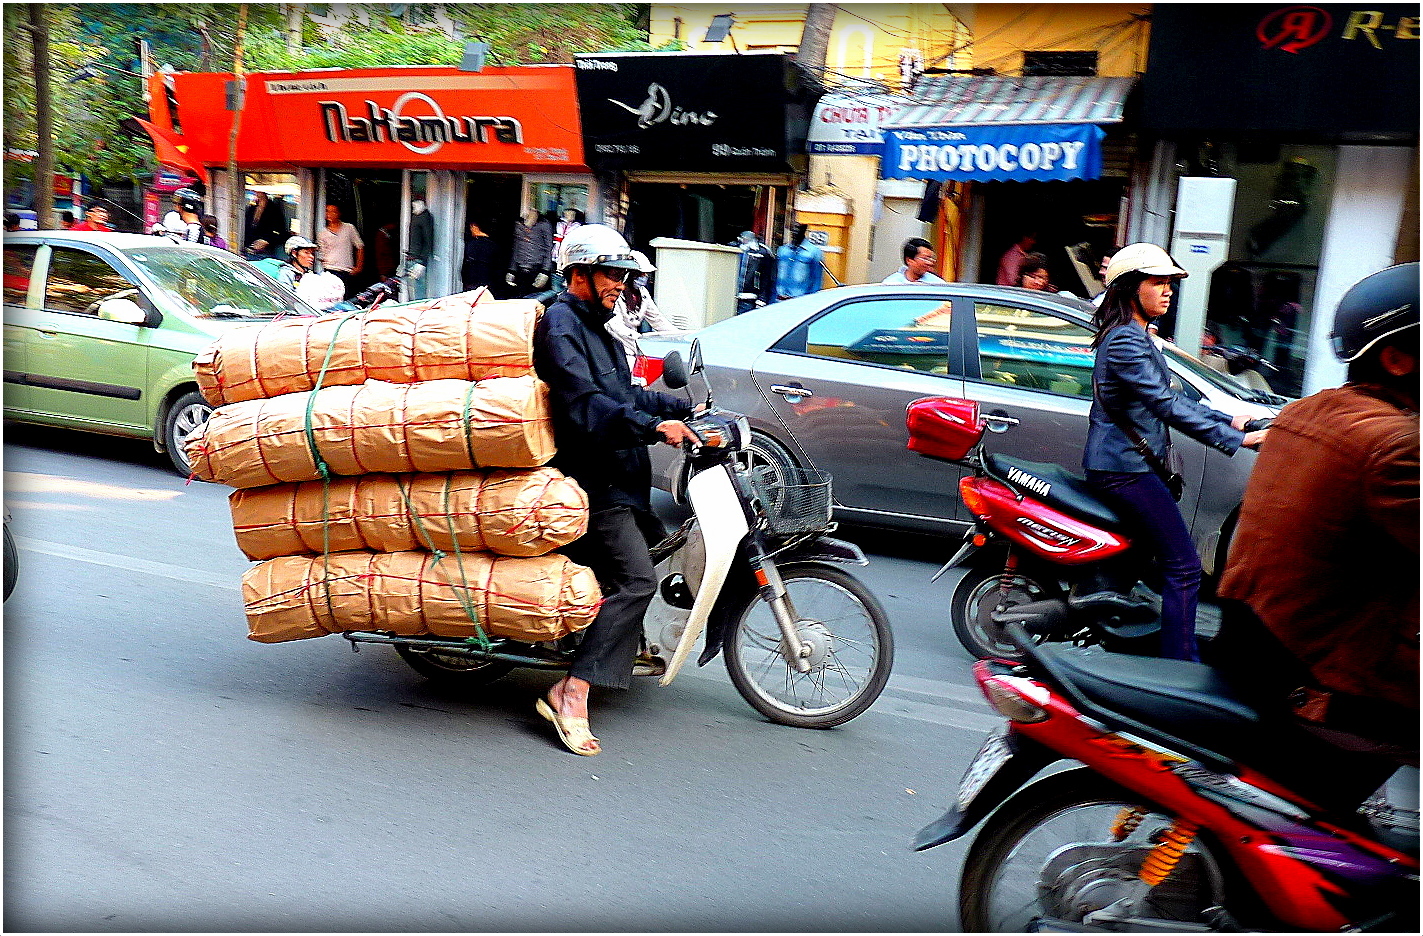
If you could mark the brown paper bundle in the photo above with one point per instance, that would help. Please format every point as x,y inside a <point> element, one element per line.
<point>510,512</point>
<point>408,593</point>
<point>467,336</point>
<point>434,426</point>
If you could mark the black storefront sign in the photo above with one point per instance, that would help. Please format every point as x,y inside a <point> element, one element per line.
<point>692,113</point>
<point>1331,72</point>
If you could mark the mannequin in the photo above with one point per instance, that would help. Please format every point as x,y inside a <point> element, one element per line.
<point>570,221</point>
<point>533,254</point>
<point>756,277</point>
<point>799,269</point>
<point>418,251</point>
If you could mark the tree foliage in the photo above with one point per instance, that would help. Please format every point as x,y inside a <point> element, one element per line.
<point>201,37</point>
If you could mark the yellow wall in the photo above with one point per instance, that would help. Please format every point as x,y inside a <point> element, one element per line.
<point>867,38</point>
<point>865,42</point>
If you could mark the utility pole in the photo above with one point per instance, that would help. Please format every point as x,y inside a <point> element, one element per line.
<point>236,190</point>
<point>815,38</point>
<point>44,119</point>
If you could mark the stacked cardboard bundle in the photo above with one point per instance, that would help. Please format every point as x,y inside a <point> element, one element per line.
<point>389,475</point>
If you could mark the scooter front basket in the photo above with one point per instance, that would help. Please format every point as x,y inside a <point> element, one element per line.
<point>799,504</point>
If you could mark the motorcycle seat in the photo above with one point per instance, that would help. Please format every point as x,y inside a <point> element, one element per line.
<point>1055,486</point>
<point>1179,699</point>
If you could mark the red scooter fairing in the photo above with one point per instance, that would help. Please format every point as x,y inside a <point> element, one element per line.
<point>1037,527</point>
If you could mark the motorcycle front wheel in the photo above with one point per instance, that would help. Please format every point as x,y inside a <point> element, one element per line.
<point>1073,844</point>
<point>847,632</point>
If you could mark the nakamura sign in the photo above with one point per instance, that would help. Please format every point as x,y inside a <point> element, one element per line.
<point>502,119</point>
<point>700,113</point>
<point>1329,71</point>
<point>992,153</point>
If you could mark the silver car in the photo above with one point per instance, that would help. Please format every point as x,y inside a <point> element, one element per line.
<point>825,380</point>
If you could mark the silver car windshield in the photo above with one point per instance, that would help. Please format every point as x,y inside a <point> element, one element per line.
<point>210,285</point>
<point>1215,378</point>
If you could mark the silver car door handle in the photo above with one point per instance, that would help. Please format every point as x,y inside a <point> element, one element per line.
<point>785,391</point>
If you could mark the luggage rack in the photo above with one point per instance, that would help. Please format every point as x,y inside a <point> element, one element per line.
<point>507,651</point>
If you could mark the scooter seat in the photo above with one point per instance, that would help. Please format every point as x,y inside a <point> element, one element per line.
<point>1189,701</point>
<point>1055,486</point>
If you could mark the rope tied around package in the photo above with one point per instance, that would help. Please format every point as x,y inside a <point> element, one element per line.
<point>322,469</point>
<point>480,638</point>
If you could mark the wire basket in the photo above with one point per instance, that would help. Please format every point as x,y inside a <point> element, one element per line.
<point>801,504</point>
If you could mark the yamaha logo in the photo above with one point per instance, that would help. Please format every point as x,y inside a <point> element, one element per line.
<point>1037,485</point>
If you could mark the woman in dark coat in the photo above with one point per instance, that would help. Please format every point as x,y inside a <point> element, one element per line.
<point>1128,434</point>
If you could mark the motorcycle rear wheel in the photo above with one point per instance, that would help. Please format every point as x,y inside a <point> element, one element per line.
<point>452,668</point>
<point>852,649</point>
<point>1047,855</point>
<point>977,596</point>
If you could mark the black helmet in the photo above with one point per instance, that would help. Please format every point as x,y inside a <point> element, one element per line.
<point>189,200</point>
<point>1379,305</point>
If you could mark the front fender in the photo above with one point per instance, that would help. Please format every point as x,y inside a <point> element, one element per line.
<point>822,549</point>
<point>1028,758</point>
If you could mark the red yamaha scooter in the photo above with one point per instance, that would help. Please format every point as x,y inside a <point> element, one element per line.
<point>1188,810</point>
<point>1044,551</point>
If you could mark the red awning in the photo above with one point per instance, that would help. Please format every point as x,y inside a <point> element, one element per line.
<point>171,153</point>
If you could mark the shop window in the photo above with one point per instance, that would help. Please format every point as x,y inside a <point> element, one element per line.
<point>1034,350</point>
<point>19,262</point>
<point>911,334</point>
<point>1060,64</point>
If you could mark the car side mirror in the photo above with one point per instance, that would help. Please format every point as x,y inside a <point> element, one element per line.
<point>674,372</point>
<point>123,310</point>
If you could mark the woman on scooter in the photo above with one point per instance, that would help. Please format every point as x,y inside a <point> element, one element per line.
<point>1128,436</point>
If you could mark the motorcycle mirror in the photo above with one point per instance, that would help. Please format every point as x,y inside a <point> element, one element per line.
<point>696,356</point>
<point>674,371</point>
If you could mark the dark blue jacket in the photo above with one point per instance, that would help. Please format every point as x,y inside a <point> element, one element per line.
<point>602,424</point>
<point>1133,381</point>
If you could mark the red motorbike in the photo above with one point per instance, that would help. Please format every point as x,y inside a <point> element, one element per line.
<point>1044,551</point>
<point>1189,811</point>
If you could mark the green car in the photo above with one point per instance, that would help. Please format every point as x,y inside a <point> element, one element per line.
<point>101,330</point>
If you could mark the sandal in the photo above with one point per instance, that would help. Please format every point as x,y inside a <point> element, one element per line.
<point>572,731</point>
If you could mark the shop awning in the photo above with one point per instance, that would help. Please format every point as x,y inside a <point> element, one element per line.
<point>999,128</point>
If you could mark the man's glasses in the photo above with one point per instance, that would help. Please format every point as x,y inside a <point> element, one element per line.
<point>616,274</point>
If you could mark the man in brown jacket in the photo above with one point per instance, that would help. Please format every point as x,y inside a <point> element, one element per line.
<point>1326,551</point>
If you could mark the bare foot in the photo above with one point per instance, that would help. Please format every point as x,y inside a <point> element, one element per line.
<point>569,698</point>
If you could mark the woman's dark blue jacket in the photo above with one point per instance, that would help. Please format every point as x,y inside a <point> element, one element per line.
<point>1132,379</point>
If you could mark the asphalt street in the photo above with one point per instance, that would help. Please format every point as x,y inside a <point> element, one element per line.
<point>163,773</point>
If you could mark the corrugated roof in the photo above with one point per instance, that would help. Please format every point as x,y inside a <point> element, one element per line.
<point>958,100</point>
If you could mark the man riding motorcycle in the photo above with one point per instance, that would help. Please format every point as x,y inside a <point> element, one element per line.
<point>1324,562</point>
<point>301,260</point>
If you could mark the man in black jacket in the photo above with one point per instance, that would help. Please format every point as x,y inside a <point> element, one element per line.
<point>602,426</point>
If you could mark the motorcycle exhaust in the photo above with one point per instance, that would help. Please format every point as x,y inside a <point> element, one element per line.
<point>1038,617</point>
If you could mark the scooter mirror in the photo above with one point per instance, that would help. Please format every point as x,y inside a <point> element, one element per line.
<point>696,356</point>
<point>674,372</point>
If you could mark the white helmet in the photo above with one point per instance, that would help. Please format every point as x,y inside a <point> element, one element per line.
<point>297,242</point>
<point>644,265</point>
<point>1142,258</point>
<point>595,245</point>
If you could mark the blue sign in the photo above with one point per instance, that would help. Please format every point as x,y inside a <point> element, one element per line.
<point>1017,152</point>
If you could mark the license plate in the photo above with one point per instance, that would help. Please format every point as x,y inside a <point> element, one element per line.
<point>992,756</point>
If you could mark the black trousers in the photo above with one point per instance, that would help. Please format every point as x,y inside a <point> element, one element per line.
<point>616,549</point>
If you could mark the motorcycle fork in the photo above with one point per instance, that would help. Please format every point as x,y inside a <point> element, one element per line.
<point>773,590</point>
<point>1156,867</point>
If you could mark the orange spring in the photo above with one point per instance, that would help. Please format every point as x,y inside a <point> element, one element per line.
<point>1126,822</point>
<point>1167,853</point>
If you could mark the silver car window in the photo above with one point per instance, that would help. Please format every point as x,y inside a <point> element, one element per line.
<point>212,285</point>
<point>1034,350</point>
<point>78,281</point>
<point>901,331</point>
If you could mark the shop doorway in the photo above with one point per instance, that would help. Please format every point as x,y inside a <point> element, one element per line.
<point>371,200</point>
<point>1078,216</point>
<point>712,214</point>
<point>492,201</point>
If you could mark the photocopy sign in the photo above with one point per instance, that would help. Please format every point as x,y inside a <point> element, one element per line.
<point>1019,152</point>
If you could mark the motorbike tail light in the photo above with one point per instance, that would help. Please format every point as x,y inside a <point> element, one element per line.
<point>648,368</point>
<point>970,491</point>
<point>1016,698</point>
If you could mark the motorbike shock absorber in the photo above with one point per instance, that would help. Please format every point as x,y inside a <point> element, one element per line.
<point>1167,853</point>
<point>1126,822</point>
